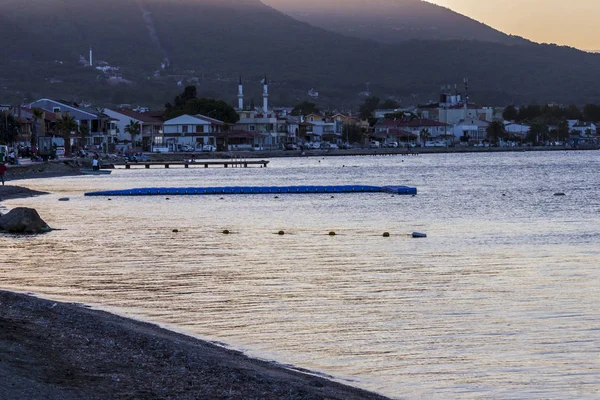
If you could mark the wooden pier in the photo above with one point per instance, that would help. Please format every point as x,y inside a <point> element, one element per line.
<point>196,163</point>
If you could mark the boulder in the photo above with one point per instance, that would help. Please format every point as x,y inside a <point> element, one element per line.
<point>23,220</point>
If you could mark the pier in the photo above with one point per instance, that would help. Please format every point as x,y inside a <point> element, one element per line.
<point>195,163</point>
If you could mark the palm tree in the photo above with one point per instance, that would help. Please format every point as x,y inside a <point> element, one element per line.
<point>425,135</point>
<point>65,125</point>
<point>84,131</point>
<point>37,116</point>
<point>495,131</point>
<point>133,128</point>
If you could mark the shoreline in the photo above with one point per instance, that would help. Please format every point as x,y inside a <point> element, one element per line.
<point>10,192</point>
<point>267,154</point>
<point>49,169</point>
<point>56,350</point>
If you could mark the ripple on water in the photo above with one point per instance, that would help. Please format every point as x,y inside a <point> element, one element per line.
<point>499,301</point>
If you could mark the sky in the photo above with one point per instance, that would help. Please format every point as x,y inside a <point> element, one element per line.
<point>574,23</point>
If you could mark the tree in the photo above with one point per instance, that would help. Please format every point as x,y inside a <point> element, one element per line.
<point>573,112</point>
<point>368,107</point>
<point>496,131</point>
<point>529,113</point>
<point>538,132</point>
<point>510,113</point>
<point>188,103</point>
<point>389,104</point>
<point>9,128</point>
<point>84,131</point>
<point>305,108</point>
<point>352,133</point>
<point>65,126</point>
<point>188,94</point>
<point>563,132</point>
<point>591,112</point>
<point>38,116</point>
<point>424,135</point>
<point>133,128</point>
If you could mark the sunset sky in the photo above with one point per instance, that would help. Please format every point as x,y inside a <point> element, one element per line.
<point>575,23</point>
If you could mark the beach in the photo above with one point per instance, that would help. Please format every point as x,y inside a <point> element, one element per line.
<point>54,350</point>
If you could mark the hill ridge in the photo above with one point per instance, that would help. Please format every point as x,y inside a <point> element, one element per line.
<point>211,43</point>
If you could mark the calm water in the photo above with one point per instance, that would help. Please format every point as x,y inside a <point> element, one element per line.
<point>502,300</point>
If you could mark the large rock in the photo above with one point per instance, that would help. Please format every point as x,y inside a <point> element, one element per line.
<point>23,220</point>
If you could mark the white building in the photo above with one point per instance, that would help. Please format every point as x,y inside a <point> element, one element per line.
<point>584,128</point>
<point>435,130</point>
<point>151,127</point>
<point>453,115</point>
<point>475,129</point>
<point>194,131</point>
<point>514,129</point>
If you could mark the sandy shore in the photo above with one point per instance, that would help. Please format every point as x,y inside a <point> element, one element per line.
<point>44,170</point>
<point>53,350</point>
<point>8,192</point>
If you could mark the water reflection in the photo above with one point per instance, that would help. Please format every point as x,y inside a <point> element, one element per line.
<point>500,301</point>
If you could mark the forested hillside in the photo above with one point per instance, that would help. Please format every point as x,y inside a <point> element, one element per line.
<point>211,43</point>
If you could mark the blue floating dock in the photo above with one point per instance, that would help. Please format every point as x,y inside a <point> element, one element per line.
<point>256,190</point>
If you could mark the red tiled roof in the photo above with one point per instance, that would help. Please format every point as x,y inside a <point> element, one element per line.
<point>150,117</point>
<point>49,116</point>
<point>208,119</point>
<point>395,132</point>
<point>237,134</point>
<point>413,123</point>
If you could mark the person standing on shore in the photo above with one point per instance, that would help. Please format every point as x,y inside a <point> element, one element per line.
<point>95,164</point>
<point>2,171</point>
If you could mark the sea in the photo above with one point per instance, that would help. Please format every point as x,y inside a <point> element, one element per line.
<point>500,301</point>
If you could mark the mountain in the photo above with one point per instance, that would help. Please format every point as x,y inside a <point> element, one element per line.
<point>212,42</point>
<point>391,21</point>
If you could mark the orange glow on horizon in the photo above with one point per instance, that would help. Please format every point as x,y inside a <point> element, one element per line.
<point>545,21</point>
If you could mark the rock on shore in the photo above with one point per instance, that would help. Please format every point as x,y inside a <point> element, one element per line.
<point>23,220</point>
<point>51,350</point>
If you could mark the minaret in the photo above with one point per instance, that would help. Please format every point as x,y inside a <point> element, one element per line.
<point>466,81</point>
<point>265,95</point>
<point>91,60</point>
<point>241,95</point>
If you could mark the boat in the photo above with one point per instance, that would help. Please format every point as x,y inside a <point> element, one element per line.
<point>90,171</point>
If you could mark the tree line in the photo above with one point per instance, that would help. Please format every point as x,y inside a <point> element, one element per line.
<point>552,114</point>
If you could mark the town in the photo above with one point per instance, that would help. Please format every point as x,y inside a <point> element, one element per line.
<point>46,126</point>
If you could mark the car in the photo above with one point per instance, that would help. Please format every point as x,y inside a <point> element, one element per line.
<point>209,148</point>
<point>312,145</point>
<point>391,144</point>
<point>374,144</point>
<point>187,148</point>
<point>291,146</point>
<point>346,146</point>
<point>60,152</point>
